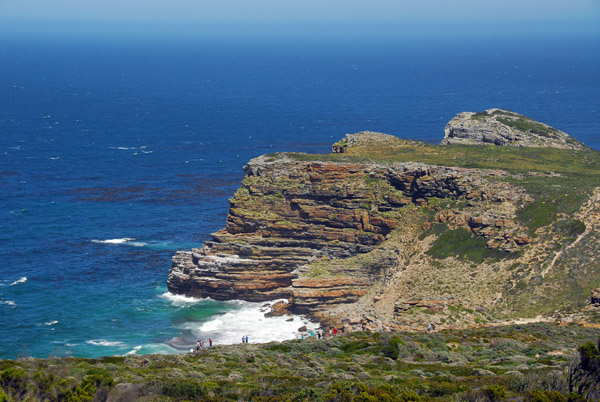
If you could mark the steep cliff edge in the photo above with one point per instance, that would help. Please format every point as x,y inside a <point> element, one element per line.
<point>388,234</point>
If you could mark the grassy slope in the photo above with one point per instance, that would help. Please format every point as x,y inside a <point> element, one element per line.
<point>513,159</point>
<point>404,366</point>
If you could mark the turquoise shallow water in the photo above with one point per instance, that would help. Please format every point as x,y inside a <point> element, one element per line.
<point>102,141</point>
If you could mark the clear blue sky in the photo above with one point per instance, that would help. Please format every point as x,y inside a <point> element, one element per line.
<point>537,15</point>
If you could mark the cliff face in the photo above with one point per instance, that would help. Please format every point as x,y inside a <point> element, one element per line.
<point>366,237</point>
<point>288,213</point>
<point>503,127</point>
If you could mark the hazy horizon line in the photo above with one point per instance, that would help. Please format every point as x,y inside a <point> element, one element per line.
<point>351,29</point>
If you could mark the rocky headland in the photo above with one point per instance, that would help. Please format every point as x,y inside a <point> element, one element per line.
<point>387,234</point>
<point>503,127</point>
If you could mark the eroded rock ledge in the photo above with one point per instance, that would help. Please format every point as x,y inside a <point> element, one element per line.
<point>290,213</point>
<point>503,127</point>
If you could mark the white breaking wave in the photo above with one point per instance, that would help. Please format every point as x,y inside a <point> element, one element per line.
<point>129,241</point>
<point>21,280</point>
<point>250,321</point>
<point>211,326</point>
<point>180,300</point>
<point>104,342</point>
<point>133,351</point>
<point>129,148</point>
<point>154,349</point>
<point>51,322</point>
<point>114,241</point>
<point>8,303</point>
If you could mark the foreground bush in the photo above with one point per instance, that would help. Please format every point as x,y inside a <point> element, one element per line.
<point>525,363</point>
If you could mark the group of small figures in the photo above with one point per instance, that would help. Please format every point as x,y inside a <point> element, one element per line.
<point>319,334</point>
<point>200,346</point>
<point>332,332</point>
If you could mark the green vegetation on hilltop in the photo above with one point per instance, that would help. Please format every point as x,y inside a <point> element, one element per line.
<point>526,124</point>
<point>484,364</point>
<point>519,122</point>
<point>511,159</point>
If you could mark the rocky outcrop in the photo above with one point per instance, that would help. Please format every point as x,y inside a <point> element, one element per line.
<point>290,213</point>
<point>278,309</point>
<point>363,238</point>
<point>363,138</point>
<point>595,299</point>
<point>503,127</point>
<point>323,284</point>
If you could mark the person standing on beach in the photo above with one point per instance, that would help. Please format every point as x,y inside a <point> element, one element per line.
<point>243,338</point>
<point>334,331</point>
<point>198,347</point>
<point>210,342</point>
<point>246,338</point>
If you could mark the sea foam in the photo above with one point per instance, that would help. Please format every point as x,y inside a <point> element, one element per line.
<point>104,342</point>
<point>154,349</point>
<point>114,241</point>
<point>180,300</point>
<point>20,280</point>
<point>133,351</point>
<point>128,241</point>
<point>211,326</point>
<point>249,320</point>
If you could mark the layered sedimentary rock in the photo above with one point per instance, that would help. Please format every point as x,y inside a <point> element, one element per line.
<point>503,127</point>
<point>289,213</point>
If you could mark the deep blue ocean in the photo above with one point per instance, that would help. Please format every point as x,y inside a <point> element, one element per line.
<point>113,155</point>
